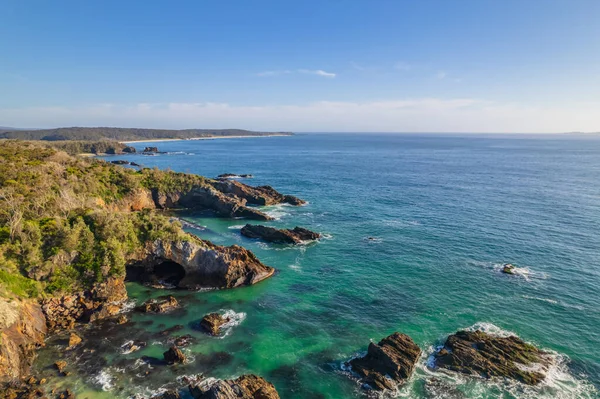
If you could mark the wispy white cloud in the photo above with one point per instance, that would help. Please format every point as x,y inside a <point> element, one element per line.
<point>402,66</point>
<point>406,115</point>
<point>441,75</point>
<point>274,73</point>
<point>318,72</point>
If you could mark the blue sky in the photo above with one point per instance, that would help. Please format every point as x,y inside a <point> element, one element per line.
<point>458,66</point>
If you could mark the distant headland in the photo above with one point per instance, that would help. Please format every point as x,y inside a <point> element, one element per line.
<point>128,134</point>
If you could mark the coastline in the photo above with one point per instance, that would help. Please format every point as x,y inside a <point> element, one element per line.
<point>204,138</point>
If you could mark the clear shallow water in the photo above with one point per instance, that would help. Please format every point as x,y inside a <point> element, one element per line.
<point>445,213</point>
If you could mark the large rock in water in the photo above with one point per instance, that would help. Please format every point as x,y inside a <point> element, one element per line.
<point>159,305</point>
<point>245,387</point>
<point>261,195</point>
<point>204,264</point>
<point>212,323</point>
<point>388,363</point>
<point>174,355</point>
<point>481,354</point>
<point>286,236</point>
<point>22,331</point>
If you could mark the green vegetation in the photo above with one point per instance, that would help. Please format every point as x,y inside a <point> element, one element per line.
<point>122,134</point>
<point>66,222</point>
<point>90,147</point>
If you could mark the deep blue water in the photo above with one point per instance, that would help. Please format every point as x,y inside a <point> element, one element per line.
<point>445,213</point>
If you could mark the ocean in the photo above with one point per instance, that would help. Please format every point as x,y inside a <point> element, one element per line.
<point>416,229</point>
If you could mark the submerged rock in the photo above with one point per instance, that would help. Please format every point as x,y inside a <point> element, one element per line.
<point>160,305</point>
<point>174,355</point>
<point>245,387</point>
<point>481,354</point>
<point>212,323</point>
<point>132,346</point>
<point>286,236</point>
<point>388,363</point>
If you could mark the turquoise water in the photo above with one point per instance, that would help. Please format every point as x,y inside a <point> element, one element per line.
<point>445,213</point>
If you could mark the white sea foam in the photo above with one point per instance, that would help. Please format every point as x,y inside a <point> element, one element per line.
<point>536,298</point>
<point>236,227</point>
<point>103,379</point>
<point>235,319</point>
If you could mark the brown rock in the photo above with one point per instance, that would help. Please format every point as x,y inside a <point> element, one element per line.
<point>74,340</point>
<point>202,264</point>
<point>122,319</point>
<point>174,355</point>
<point>481,354</point>
<point>161,305</point>
<point>388,363</point>
<point>245,387</point>
<point>22,331</point>
<point>285,236</point>
<point>212,323</point>
<point>168,395</point>
<point>60,365</point>
<point>508,268</point>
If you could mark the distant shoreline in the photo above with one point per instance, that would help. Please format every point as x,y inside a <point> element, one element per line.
<point>204,138</point>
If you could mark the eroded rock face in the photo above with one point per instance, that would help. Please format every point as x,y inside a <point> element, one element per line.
<point>22,331</point>
<point>481,354</point>
<point>285,236</point>
<point>212,323</point>
<point>205,264</point>
<point>261,195</point>
<point>245,387</point>
<point>388,363</point>
<point>224,204</point>
<point>104,300</point>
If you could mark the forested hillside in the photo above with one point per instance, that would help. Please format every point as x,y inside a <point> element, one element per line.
<point>123,134</point>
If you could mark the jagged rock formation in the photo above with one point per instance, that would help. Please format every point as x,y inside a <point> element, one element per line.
<point>262,195</point>
<point>388,363</point>
<point>481,354</point>
<point>245,387</point>
<point>202,264</point>
<point>22,331</point>
<point>212,323</point>
<point>103,300</point>
<point>285,236</point>
<point>174,355</point>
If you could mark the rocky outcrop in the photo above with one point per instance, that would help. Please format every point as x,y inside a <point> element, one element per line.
<point>174,355</point>
<point>261,195</point>
<point>74,340</point>
<point>150,149</point>
<point>285,236</point>
<point>129,150</point>
<point>484,355</point>
<point>234,176</point>
<point>212,323</point>
<point>388,363</point>
<point>204,264</point>
<point>508,268</point>
<point>224,204</point>
<point>120,162</point>
<point>159,305</point>
<point>245,387</point>
<point>102,301</point>
<point>22,331</point>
